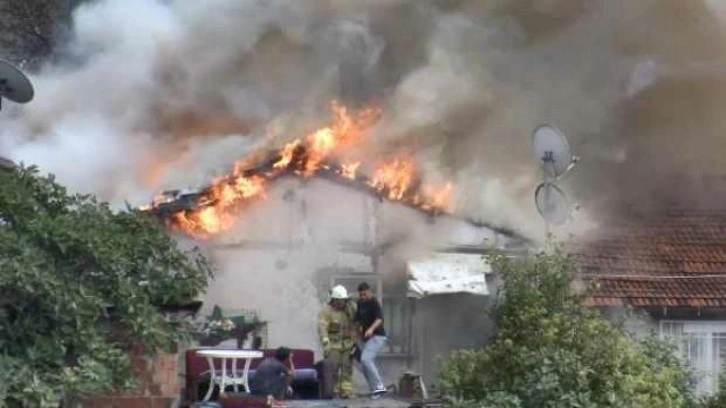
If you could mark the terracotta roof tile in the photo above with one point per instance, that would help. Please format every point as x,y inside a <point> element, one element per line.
<point>671,258</point>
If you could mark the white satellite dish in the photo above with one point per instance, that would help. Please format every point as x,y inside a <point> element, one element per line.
<point>552,203</point>
<point>14,85</point>
<point>552,151</point>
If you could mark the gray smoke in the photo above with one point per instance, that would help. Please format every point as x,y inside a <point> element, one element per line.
<point>167,94</point>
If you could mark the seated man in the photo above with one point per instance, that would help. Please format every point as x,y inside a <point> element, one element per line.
<point>273,377</point>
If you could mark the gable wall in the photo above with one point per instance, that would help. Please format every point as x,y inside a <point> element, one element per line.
<point>283,252</point>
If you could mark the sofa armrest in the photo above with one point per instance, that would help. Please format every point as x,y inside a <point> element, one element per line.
<point>305,374</point>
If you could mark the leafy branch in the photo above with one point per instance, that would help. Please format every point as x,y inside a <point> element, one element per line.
<point>80,285</point>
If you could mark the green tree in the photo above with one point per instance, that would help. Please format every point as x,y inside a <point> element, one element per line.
<point>80,285</point>
<point>718,399</point>
<point>552,351</point>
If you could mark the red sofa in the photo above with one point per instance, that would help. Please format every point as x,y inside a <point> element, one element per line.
<point>305,384</point>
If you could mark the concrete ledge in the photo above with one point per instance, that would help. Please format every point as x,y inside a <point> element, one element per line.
<point>129,402</point>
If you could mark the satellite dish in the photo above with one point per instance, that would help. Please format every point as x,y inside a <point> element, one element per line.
<point>555,156</point>
<point>552,150</point>
<point>14,85</point>
<point>552,203</point>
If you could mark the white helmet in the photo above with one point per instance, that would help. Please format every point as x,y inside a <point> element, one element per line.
<point>338,292</point>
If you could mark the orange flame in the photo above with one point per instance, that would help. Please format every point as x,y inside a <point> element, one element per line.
<point>286,155</point>
<point>348,170</point>
<point>396,179</point>
<point>436,198</point>
<point>321,143</point>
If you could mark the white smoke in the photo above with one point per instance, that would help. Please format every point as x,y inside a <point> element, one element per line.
<point>147,77</point>
<point>89,121</point>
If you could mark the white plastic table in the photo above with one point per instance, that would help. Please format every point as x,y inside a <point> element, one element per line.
<point>223,380</point>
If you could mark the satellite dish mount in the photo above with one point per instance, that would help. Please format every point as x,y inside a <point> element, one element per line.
<point>553,153</point>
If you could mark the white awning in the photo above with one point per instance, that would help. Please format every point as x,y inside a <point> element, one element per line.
<point>448,273</point>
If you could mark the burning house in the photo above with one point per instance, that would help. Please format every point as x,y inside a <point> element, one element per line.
<point>124,104</point>
<point>286,227</point>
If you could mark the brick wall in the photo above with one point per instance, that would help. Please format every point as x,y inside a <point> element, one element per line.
<point>159,383</point>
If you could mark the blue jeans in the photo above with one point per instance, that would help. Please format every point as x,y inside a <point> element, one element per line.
<point>369,350</point>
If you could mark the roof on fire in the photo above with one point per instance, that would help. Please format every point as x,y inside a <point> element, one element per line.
<point>666,258</point>
<point>173,201</point>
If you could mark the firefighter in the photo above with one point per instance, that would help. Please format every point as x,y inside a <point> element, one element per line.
<point>338,332</point>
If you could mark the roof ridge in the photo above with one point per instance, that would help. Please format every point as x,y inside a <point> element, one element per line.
<point>654,278</point>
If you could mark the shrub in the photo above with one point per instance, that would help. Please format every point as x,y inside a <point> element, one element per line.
<point>552,351</point>
<point>79,285</point>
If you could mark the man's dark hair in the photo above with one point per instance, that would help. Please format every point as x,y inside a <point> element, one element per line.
<point>282,353</point>
<point>363,286</point>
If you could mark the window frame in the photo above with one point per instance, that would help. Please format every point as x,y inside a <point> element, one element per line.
<point>702,339</point>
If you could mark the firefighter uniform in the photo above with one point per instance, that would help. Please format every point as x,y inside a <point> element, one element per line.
<point>337,330</point>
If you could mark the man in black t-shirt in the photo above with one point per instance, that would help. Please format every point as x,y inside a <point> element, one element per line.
<point>273,377</point>
<point>369,316</point>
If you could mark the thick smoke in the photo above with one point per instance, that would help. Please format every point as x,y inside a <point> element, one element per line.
<point>157,95</point>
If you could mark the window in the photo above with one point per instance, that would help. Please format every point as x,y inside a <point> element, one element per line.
<point>702,348</point>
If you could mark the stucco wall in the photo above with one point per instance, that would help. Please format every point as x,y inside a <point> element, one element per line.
<point>280,257</point>
<point>288,287</point>
<point>635,321</point>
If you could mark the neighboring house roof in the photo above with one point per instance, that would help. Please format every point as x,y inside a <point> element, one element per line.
<point>671,258</point>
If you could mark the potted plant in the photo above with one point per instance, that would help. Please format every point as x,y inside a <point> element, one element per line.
<point>218,328</point>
